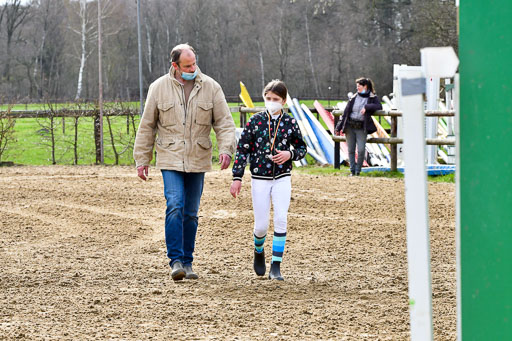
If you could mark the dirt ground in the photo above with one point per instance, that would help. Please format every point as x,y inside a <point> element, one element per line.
<point>82,256</point>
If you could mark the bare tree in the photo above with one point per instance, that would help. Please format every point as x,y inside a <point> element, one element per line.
<point>254,11</point>
<point>2,12</point>
<point>310,55</point>
<point>86,29</point>
<point>16,13</point>
<point>149,50</point>
<point>119,138</point>
<point>310,44</point>
<point>83,23</point>
<point>46,25</point>
<point>283,38</point>
<point>6,131</point>
<point>48,130</point>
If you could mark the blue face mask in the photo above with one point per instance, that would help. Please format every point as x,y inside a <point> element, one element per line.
<point>189,76</point>
<point>363,92</point>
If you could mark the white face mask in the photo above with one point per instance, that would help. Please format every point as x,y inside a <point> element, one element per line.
<point>273,107</point>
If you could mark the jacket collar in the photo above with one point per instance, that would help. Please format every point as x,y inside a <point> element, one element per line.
<point>268,115</point>
<point>198,79</point>
<point>371,95</point>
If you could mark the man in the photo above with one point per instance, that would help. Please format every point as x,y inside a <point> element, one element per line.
<point>181,109</point>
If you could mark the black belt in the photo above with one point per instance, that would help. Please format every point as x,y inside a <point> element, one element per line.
<point>355,124</point>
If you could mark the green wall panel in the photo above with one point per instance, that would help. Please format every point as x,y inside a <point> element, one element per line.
<point>485,53</point>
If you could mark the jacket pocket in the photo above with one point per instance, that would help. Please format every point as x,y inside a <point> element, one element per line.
<point>165,142</point>
<point>204,113</point>
<point>201,156</point>
<point>167,114</point>
<point>204,142</point>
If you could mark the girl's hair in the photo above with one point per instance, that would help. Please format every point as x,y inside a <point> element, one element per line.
<point>276,86</point>
<point>368,82</point>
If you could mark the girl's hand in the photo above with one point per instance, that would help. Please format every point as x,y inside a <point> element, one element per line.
<point>363,111</point>
<point>282,156</point>
<point>236,186</point>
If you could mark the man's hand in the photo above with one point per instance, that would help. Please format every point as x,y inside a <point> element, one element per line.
<point>142,172</point>
<point>282,156</point>
<point>224,161</point>
<point>236,186</point>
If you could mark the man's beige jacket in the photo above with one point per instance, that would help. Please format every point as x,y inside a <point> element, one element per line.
<point>182,130</point>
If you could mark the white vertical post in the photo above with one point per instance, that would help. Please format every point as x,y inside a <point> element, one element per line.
<point>418,241</point>
<point>450,150</point>
<point>431,122</point>
<point>400,127</point>
<point>449,106</point>
<point>448,94</point>
<point>397,94</point>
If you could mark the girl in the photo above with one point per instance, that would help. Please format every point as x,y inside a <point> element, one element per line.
<point>357,122</point>
<point>267,141</point>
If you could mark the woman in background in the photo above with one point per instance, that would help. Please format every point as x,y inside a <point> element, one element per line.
<point>356,122</point>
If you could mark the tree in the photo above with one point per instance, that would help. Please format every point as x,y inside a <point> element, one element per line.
<point>45,28</point>
<point>86,29</point>
<point>310,44</point>
<point>283,39</point>
<point>16,14</point>
<point>311,64</point>
<point>2,12</point>
<point>6,131</point>
<point>253,8</point>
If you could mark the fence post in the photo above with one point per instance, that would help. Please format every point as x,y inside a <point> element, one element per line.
<point>243,117</point>
<point>393,146</point>
<point>336,147</point>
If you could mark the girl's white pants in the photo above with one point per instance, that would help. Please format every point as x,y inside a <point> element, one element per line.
<point>278,191</point>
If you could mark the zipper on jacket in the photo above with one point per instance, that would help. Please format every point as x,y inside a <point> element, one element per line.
<point>273,162</point>
<point>185,104</point>
<point>184,123</point>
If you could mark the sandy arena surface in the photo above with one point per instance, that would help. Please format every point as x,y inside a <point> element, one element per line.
<point>82,257</point>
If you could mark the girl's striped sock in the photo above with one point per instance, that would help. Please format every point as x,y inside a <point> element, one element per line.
<point>258,243</point>
<point>278,246</point>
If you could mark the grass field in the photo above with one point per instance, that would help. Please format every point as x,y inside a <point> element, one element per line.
<point>32,145</point>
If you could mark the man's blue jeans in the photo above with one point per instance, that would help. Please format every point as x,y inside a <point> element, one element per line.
<point>183,194</point>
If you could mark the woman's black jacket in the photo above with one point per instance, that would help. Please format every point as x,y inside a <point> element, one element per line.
<point>371,107</point>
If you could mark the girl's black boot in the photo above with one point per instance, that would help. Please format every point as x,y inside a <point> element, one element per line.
<point>259,263</point>
<point>275,271</point>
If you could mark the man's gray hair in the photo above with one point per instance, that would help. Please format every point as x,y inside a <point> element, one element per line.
<point>178,49</point>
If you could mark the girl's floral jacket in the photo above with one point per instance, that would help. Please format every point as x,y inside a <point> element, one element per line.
<point>256,143</point>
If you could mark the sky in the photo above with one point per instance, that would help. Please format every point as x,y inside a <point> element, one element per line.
<point>2,2</point>
<point>24,2</point>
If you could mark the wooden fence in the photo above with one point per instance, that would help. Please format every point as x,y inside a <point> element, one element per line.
<point>67,113</point>
<point>392,140</point>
